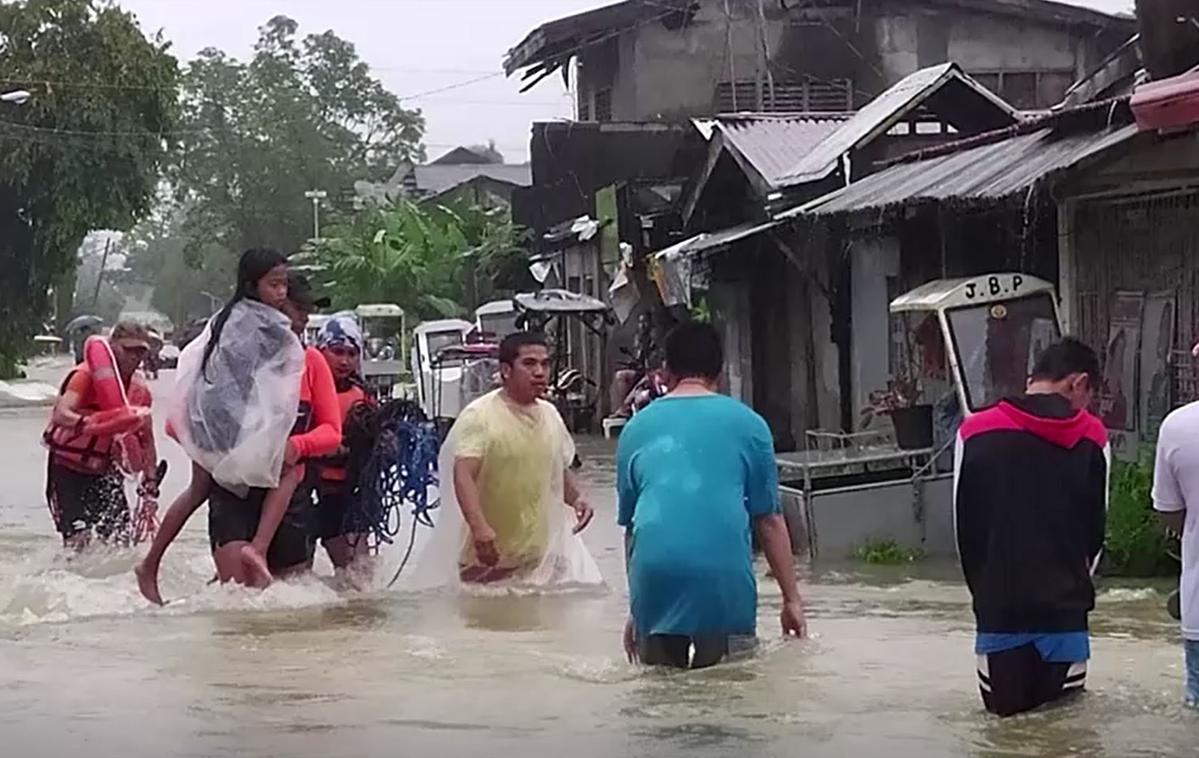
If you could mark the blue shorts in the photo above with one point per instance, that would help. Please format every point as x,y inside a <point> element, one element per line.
<point>1192,667</point>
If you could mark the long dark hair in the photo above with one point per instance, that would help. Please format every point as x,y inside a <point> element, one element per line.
<point>255,263</point>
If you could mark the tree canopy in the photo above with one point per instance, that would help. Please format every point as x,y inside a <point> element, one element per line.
<point>85,152</point>
<point>301,114</point>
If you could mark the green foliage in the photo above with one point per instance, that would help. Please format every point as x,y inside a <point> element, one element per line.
<point>1137,545</point>
<point>887,553</point>
<point>81,154</point>
<point>189,277</point>
<point>302,114</point>
<point>433,261</point>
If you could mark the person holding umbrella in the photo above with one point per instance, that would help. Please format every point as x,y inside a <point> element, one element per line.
<point>79,329</point>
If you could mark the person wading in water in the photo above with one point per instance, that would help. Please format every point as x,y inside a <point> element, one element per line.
<point>340,341</point>
<point>85,489</point>
<point>270,534</point>
<point>511,464</point>
<point>695,473</point>
<point>1030,511</point>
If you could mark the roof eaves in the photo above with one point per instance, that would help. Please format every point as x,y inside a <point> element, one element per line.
<point>1045,10</point>
<point>951,72</point>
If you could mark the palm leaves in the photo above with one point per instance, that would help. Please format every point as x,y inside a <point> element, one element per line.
<point>415,256</point>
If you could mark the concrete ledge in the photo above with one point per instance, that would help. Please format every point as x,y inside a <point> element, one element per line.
<point>27,393</point>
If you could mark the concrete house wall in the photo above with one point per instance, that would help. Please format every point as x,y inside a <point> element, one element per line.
<point>655,72</point>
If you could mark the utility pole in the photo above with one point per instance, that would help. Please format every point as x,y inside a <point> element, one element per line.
<point>100,273</point>
<point>316,196</point>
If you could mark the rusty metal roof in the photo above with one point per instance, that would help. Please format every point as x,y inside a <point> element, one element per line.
<point>987,172</point>
<point>772,144</point>
<point>548,47</point>
<point>945,90</point>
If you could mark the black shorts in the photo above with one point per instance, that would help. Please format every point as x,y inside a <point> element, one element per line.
<point>235,519</point>
<point>683,652</point>
<point>86,502</point>
<point>1018,680</point>
<point>331,506</point>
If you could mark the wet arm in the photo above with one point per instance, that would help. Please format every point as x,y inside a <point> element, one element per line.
<point>151,448</point>
<point>66,413</point>
<point>466,487</point>
<point>325,436</point>
<point>570,487</point>
<point>1174,521</point>
<point>776,544</point>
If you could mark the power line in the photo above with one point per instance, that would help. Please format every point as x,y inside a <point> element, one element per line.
<point>450,87</point>
<point>37,134</point>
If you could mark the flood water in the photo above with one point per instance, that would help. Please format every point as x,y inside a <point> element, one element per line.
<point>301,670</point>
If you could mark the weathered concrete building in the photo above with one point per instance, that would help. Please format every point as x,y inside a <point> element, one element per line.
<point>674,59</point>
<point>795,73</point>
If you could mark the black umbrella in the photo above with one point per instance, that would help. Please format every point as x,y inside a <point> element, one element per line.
<point>82,322</point>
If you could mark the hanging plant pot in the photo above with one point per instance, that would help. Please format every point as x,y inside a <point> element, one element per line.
<point>913,427</point>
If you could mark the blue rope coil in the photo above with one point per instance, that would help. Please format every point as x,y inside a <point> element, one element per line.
<point>392,465</point>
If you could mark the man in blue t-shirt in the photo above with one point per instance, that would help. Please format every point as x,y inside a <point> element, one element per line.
<point>694,469</point>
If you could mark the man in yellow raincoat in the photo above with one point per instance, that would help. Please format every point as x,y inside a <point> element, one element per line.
<point>511,475</point>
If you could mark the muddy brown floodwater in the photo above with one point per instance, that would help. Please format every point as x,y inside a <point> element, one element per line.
<point>301,670</point>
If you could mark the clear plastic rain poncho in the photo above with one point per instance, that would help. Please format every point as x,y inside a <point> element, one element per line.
<point>524,456</point>
<point>234,417</point>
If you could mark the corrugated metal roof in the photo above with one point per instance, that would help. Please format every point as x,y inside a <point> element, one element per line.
<point>988,172</point>
<point>773,144</point>
<point>879,115</point>
<point>712,240</point>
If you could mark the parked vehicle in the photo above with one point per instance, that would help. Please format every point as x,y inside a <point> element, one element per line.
<point>383,357</point>
<point>970,343</point>
<point>439,377</point>
<point>553,310</point>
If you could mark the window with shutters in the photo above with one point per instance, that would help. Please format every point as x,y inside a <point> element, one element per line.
<point>806,96</point>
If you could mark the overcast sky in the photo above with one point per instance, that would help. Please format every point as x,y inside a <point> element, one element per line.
<point>414,46</point>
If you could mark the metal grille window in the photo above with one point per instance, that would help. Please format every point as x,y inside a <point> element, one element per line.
<point>603,104</point>
<point>808,96</point>
<point>1027,89</point>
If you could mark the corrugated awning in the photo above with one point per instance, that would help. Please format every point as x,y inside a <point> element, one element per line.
<point>707,241</point>
<point>985,173</point>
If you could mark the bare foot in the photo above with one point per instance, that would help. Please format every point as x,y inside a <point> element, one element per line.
<point>147,582</point>
<point>257,573</point>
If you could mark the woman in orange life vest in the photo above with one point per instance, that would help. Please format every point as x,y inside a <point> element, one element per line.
<point>340,341</point>
<point>85,489</point>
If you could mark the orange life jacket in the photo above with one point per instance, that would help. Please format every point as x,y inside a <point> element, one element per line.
<point>81,451</point>
<point>333,467</point>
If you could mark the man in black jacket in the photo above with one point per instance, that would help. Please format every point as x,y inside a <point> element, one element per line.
<point>1030,507</point>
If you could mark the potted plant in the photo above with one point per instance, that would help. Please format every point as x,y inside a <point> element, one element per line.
<point>913,421</point>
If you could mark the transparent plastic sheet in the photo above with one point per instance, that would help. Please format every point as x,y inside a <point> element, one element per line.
<point>234,418</point>
<point>564,563</point>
